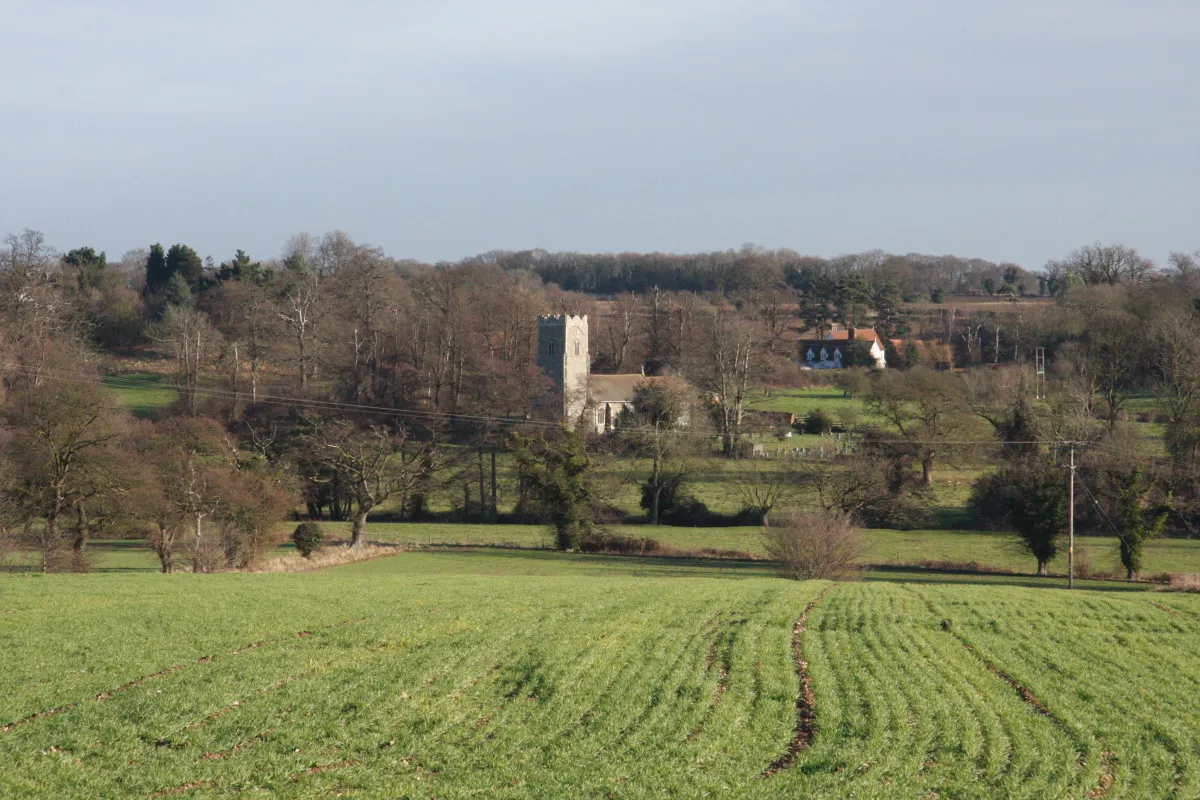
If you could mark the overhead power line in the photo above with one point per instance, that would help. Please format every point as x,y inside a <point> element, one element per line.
<point>209,391</point>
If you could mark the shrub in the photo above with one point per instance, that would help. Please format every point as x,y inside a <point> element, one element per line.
<point>817,422</point>
<point>1184,582</point>
<point>308,538</point>
<point>676,505</point>
<point>1083,563</point>
<point>815,546</point>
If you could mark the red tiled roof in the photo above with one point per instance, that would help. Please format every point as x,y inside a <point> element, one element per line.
<point>860,335</point>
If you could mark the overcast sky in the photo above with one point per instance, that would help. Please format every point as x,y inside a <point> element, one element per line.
<point>1013,130</point>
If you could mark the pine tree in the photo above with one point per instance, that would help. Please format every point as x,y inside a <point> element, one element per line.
<point>184,261</point>
<point>177,292</point>
<point>891,321</point>
<point>853,299</point>
<point>157,273</point>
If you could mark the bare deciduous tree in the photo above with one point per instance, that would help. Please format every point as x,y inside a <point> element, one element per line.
<point>374,462</point>
<point>728,364</point>
<point>1110,264</point>
<point>762,485</point>
<point>925,408</point>
<point>58,429</point>
<point>195,345</point>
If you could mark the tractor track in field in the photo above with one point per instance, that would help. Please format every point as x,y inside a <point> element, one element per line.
<point>1106,770</point>
<point>711,664</point>
<point>806,702</point>
<point>162,673</point>
<point>236,704</point>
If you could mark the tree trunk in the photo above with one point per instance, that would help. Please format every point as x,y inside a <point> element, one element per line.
<point>359,526</point>
<point>482,481</point>
<point>50,541</point>
<point>495,509</point>
<point>81,529</point>
<point>927,469</point>
<point>657,478</point>
<point>165,556</point>
<point>197,565</point>
<point>1043,568</point>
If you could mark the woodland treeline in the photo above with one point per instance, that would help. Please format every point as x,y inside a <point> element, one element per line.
<point>336,381</point>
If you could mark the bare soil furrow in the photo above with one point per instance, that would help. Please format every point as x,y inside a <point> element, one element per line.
<point>806,704</point>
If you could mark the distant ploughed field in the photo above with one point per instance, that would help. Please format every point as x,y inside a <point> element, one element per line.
<point>510,674</point>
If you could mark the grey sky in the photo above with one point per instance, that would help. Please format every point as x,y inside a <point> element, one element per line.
<point>1013,130</point>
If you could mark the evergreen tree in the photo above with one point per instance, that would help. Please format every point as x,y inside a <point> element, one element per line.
<point>157,272</point>
<point>556,478</point>
<point>814,303</point>
<point>1137,525</point>
<point>183,260</point>
<point>891,321</point>
<point>853,299</point>
<point>1032,497</point>
<point>88,266</point>
<point>177,293</point>
<point>242,269</point>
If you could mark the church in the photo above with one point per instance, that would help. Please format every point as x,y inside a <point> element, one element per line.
<point>562,353</point>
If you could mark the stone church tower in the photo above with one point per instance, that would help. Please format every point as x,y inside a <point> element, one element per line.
<point>563,355</point>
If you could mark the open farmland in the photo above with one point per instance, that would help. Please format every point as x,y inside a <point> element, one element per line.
<point>447,675</point>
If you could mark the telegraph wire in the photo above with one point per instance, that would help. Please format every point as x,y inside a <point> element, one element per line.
<point>116,381</point>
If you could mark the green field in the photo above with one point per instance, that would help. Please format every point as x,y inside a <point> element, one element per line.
<point>145,394</point>
<point>529,674</point>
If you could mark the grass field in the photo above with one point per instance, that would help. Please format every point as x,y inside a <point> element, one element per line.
<point>145,394</point>
<point>515,674</point>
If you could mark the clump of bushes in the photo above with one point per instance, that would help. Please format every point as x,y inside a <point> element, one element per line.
<point>308,538</point>
<point>615,544</point>
<point>815,546</point>
<point>603,542</point>
<point>817,422</point>
<point>676,505</point>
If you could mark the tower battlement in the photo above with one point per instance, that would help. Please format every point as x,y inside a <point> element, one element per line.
<point>561,319</point>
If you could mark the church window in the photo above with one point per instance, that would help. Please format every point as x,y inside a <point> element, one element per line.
<point>577,347</point>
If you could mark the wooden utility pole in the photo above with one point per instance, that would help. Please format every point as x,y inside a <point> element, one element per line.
<point>1071,524</point>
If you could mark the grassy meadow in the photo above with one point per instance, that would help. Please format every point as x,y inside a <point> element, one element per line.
<point>509,673</point>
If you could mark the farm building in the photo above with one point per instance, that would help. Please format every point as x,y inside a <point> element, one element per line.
<point>833,351</point>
